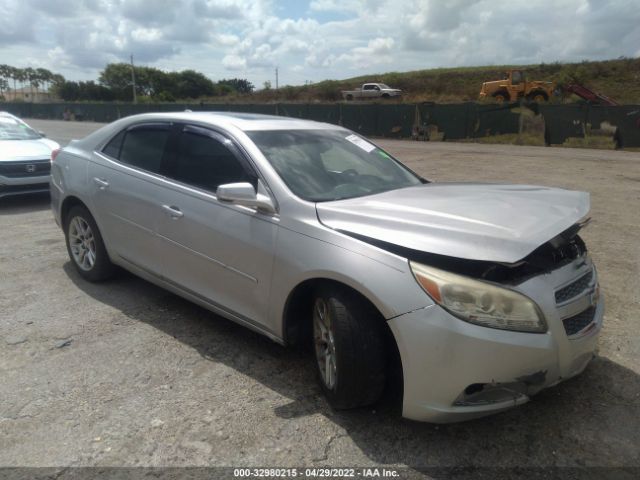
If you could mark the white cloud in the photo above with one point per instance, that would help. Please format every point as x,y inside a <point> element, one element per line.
<point>234,62</point>
<point>332,39</point>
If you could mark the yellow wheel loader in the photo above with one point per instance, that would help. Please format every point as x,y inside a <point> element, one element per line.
<point>516,86</point>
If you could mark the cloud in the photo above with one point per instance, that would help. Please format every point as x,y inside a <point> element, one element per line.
<point>377,51</point>
<point>16,23</point>
<point>234,62</point>
<point>325,39</point>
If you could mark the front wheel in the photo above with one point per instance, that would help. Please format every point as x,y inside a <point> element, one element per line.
<point>501,96</point>
<point>349,348</point>
<point>85,246</point>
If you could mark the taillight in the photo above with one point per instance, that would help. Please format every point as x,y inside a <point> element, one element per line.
<point>54,154</point>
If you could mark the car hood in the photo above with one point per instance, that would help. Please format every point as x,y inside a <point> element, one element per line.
<point>499,223</point>
<point>37,149</point>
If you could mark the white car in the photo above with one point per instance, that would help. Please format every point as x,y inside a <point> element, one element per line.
<point>371,90</point>
<point>25,157</point>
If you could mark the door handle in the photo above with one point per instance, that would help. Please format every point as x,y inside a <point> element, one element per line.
<point>102,184</point>
<point>172,211</point>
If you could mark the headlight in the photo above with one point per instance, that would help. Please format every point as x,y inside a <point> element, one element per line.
<point>480,302</point>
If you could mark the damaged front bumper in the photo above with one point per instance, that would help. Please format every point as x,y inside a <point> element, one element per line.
<point>454,370</point>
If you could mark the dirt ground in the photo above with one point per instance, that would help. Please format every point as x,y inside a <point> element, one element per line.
<point>126,374</point>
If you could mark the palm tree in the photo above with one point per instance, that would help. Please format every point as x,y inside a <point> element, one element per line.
<point>21,76</point>
<point>30,75</point>
<point>13,73</point>
<point>45,76</point>
<point>5,73</point>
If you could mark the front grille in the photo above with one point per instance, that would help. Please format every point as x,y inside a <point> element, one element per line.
<point>26,168</point>
<point>574,288</point>
<point>575,324</point>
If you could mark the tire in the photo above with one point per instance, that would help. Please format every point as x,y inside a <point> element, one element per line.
<point>501,96</point>
<point>385,95</point>
<point>85,246</point>
<point>353,337</point>
<point>349,98</point>
<point>538,97</point>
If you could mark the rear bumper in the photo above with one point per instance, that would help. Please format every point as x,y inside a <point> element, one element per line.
<point>23,185</point>
<point>454,370</point>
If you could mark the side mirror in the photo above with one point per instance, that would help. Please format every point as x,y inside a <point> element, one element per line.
<point>42,134</point>
<point>244,194</point>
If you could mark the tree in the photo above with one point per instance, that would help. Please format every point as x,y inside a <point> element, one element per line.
<point>21,76</point>
<point>5,75</point>
<point>30,76</point>
<point>68,91</point>
<point>117,77</point>
<point>45,76</point>
<point>192,84</point>
<point>14,76</point>
<point>5,71</point>
<point>84,91</point>
<point>152,82</point>
<point>240,85</point>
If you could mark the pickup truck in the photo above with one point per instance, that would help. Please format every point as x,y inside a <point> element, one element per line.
<point>371,90</point>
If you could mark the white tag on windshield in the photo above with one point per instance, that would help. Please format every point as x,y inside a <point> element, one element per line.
<point>363,144</point>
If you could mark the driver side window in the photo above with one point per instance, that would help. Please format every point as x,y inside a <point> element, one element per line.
<point>206,160</point>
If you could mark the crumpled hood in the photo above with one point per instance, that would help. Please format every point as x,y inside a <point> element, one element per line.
<point>37,149</point>
<point>499,223</point>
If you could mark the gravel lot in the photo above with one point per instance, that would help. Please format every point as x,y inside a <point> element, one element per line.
<point>126,374</point>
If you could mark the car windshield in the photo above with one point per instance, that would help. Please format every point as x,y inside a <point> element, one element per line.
<point>325,165</point>
<point>13,129</point>
<point>382,85</point>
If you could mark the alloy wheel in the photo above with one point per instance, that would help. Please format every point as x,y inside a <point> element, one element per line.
<point>82,243</point>
<point>324,343</point>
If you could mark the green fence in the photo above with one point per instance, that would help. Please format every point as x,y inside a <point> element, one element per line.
<point>453,121</point>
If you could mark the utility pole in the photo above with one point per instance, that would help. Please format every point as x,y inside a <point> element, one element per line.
<point>133,80</point>
<point>276,78</point>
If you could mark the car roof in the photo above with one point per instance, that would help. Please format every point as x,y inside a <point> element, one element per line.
<point>241,120</point>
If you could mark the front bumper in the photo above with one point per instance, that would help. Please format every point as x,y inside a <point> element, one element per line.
<point>454,370</point>
<point>23,185</point>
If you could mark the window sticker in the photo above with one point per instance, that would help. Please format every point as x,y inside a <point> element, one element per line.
<point>359,142</point>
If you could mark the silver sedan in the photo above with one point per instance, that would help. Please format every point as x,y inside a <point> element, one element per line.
<point>25,157</point>
<point>475,296</point>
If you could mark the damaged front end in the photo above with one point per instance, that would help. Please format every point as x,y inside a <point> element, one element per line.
<point>555,253</point>
<point>479,394</point>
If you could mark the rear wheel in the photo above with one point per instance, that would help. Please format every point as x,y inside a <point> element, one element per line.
<point>538,97</point>
<point>86,247</point>
<point>349,348</point>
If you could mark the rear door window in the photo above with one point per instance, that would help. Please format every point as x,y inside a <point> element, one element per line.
<point>140,146</point>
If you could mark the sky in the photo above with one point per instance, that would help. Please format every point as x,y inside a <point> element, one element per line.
<point>311,40</point>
